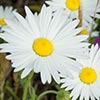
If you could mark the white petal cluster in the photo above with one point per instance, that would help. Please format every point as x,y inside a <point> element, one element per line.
<point>6,13</point>
<point>80,89</point>
<point>51,43</point>
<point>88,9</point>
<point>57,28</point>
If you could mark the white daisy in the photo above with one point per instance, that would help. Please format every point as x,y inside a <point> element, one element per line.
<point>85,82</point>
<point>89,30</point>
<point>6,13</point>
<point>43,44</point>
<point>73,6</point>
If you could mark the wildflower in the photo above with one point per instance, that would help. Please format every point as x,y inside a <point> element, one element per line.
<point>43,44</point>
<point>84,82</point>
<point>89,30</point>
<point>74,7</point>
<point>6,13</point>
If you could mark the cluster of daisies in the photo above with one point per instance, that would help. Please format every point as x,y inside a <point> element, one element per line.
<point>55,44</point>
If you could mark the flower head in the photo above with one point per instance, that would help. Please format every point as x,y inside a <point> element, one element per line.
<point>73,7</point>
<point>84,82</point>
<point>44,43</point>
<point>6,13</point>
<point>88,29</point>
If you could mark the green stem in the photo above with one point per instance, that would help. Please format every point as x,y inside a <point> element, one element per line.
<point>32,92</point>
<point>27,86</point>
<point>46,92</point>
<point>12,92</point>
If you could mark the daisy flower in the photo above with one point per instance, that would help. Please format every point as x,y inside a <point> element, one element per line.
<point>6,13</point>
<point>85,82</point>
<point>43,44</point>
<point>86,7</point>
<point>89,29</point>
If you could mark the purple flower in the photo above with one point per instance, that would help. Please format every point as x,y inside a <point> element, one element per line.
<point>97,40</point>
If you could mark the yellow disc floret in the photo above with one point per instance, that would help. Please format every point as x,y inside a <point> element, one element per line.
<point>42,47</point>
<point>84,32</point>
<point>2,22</point>
<point>72,4</point>
<point>88,75</point>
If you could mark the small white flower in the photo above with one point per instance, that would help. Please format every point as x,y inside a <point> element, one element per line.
<point>85,82</point>
<point>89,30</point>
<point>43,44</point>
<point>6,14</point>
<point>87,8</point>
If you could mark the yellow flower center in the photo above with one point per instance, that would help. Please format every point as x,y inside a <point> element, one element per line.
<point>84,32</point>
<point>72,4</point>
<point>42,47</point>
<point>2,22</point>
<point>88,75</point>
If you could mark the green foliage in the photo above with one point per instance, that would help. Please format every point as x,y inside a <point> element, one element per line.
<point>63,95</point>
